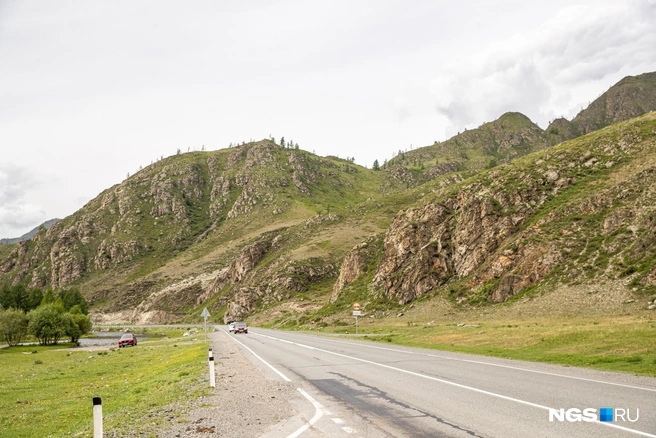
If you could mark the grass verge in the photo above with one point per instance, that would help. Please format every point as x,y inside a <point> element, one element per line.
<point>617,343</point>
<point>47,391</point>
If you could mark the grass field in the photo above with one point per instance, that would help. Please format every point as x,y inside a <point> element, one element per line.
<point>613,343</point>
<point>48,391</point>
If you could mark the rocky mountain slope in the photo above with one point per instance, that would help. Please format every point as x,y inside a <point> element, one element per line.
<point>488,215</point>
<point>630,97</point>
<point>47,224</point>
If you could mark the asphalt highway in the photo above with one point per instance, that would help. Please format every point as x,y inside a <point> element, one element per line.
<point>356,388</point>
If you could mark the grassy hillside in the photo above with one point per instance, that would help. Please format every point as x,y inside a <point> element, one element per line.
<point>282,236</point>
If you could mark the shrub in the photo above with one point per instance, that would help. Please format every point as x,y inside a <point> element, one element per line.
<point>48,324</point>
<point>13,326</point>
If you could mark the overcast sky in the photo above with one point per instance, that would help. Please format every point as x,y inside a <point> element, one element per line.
<point>92,90</point>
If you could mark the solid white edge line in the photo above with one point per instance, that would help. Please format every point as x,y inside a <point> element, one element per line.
<point>285,378</point>
<point>500,366</point>
<point>317,406</point>
<point>317,414</point>
<point>459,385</point>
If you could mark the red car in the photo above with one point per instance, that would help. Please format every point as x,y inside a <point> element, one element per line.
<point>240,327</point>
<point>127,339</point>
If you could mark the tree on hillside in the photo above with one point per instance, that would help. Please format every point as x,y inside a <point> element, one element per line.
<point>72,297</point>
<point>376,165</point>
<point>13,326</point>
<point>13,297</point>
<point>34,298</point>
<point>48,297</point>
<point>20,297</point>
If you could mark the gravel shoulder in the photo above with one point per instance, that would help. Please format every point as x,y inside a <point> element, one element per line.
<point>244,403</point>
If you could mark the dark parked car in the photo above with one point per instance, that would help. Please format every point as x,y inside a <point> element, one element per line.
<point>240,327</point>
<point>127,339</point>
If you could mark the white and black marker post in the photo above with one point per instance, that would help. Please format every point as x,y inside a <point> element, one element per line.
<point>97,418</point>
<point>212,378</point>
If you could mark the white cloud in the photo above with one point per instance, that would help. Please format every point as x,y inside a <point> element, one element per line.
<point>91,90</point>
<point>16,214</point>
<point>552,71</point>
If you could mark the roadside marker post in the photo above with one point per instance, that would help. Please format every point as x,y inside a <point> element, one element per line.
<point>212,377</point>
<point>205,315</point>
<point>97,418</point>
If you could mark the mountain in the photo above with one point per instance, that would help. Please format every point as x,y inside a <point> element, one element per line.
<point>263,230</point>
<point>510,136</point>
<point>630,97</point>
<point>47,224</point>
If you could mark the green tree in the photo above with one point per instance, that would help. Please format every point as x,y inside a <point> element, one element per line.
<point>282,141</point>
<point>34,298</point>
<point>73,297</point>
<point>48,324</point>
<point>13,297</point>
<point>78,324</point>
<point>376,165</point>
<point>48,297</point>
<point>13,325</point>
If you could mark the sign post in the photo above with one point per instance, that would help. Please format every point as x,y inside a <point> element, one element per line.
<point>205,315</point>
<point>356,312</point>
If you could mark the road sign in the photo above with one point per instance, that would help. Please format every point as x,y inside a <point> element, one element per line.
<point>357,313</point>
<point>205,315</point>
<point>356,306</point>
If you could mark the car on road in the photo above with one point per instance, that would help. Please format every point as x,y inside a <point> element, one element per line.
<point>127,339</point>
<point>241,327</point>
<point>231,327</point>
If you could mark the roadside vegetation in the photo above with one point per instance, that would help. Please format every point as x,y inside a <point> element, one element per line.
<point>48,317</point>
<point>622,342</point>
<point>47,390</point>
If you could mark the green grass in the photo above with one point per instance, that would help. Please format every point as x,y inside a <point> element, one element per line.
<point>619,343</point>
<point>48,391</point>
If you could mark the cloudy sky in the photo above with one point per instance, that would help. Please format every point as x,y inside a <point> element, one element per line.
<point>92,90</point>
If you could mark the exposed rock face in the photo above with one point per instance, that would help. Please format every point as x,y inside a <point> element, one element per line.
<point>480,232</point>
<point>485,221</point>
<point>359,261</point>
<point>278,282</point>
<point>426,246</point>
<point>243,264</point>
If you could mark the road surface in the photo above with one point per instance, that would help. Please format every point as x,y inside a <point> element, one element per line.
<point>350,388</point>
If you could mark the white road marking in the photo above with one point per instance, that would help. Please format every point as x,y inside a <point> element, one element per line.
<point>317,406</point>
<point>338,420</point>
<point>500,366</point>
<point>285,378</point>
<point>317,414</point>
<point>348,429</point>
<point>459,385</point>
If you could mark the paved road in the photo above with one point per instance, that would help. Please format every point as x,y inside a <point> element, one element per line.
<point>365,389</point>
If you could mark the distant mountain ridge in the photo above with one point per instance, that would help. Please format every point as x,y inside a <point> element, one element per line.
<point>629,98</point>
<point>47,224</point>
<point>262,229</point>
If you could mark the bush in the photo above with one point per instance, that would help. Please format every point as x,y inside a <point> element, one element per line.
<point>78,325</point>
<point>13,326</point>
<point>48,324</point>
